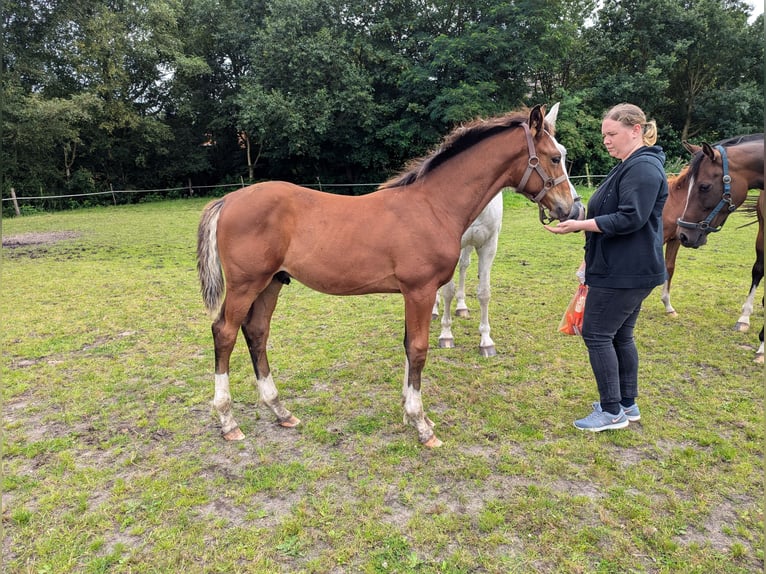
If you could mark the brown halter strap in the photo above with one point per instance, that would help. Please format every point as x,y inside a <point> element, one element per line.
<point>534,165</point>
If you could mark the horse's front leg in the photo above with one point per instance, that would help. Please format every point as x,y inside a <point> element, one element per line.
<point>484,291</point>
<point>417,319</point>
<point>446,340</point>
<point>435,310</point>
<point>461,309</point>
<point>256,331</point>
<point>671,252</point>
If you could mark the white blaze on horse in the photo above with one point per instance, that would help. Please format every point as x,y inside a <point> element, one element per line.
<point>482,236</point>
<point>720,177</point>
<point>403,238</point>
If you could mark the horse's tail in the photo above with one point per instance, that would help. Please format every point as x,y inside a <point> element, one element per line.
<point>208,262</point>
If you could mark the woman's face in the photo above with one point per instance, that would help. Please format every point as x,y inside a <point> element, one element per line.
<point>620,140</point>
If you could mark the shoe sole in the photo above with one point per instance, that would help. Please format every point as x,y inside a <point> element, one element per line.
<point>613,426</point>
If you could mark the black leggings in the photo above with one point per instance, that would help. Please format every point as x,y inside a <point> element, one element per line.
<point>607,329</point>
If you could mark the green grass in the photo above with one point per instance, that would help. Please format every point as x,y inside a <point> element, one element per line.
<point>113,462</point>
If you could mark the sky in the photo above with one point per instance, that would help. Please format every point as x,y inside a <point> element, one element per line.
<point>757,6</point>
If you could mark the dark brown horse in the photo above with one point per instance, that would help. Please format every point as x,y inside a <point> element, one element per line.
<point>719,179</point>
<point>678,188</point>
<point>720,176</point>
<point>403,238</point>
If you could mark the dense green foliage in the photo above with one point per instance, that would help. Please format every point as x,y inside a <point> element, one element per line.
<point>116,94</point>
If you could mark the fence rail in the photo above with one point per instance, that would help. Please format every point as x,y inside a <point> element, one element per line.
<point>14,198</point>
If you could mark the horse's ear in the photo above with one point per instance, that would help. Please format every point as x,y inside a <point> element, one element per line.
<point>691,148</point>
<point>552,114</point>
<point>536,120</point>
<point>707,149</point>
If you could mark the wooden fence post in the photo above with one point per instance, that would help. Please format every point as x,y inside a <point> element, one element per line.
<point>15,201</point>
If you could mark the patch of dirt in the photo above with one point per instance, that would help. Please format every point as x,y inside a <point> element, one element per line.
<point>37,238</point>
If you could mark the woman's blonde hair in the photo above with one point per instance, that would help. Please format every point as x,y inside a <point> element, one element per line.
<point>631,115</point>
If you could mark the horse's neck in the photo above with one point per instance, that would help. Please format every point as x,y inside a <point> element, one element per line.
<point>462,189</point>
<point>678,192</point>
<point>752,163</point>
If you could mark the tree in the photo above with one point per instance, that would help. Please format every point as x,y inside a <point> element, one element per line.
<point>307,103</point>
<point>690,65</point>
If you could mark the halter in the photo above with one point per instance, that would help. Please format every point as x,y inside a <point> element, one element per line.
<point>725,200</point>
<point>548,182</point>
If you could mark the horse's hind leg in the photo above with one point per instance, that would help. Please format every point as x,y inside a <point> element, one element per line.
<point>256,331</point>
<point>225,330</point>
<point>743,323</point>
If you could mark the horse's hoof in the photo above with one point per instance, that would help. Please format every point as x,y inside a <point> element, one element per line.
<point>759,358</point>
<point>292,422</point>
<point>433,442</point>
<point>673,314</point>
<point>463,313</point>
<point>234,434</point>
<point>446,343</point>
<point>741,327</point>
<point>488,351</point>
<point>434,316</point>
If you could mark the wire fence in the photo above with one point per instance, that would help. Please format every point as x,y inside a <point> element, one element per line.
<point>191,189</point>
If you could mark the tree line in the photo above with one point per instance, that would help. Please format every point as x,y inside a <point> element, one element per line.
<point>147,94</point>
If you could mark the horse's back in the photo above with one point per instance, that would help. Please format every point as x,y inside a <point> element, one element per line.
<point>342,245</point>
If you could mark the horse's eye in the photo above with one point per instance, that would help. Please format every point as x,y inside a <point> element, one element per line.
<point>556,160</point>
<point>705,187</point>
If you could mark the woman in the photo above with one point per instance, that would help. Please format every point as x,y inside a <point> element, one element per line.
<point>623,261</point>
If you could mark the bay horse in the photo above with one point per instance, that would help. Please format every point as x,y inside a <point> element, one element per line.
<point>720,176</point>
<point>482,236</point>
<point>402,238</point>
<point>678,187</point>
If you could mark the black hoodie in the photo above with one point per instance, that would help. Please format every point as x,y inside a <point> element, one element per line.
<point>627,207</point>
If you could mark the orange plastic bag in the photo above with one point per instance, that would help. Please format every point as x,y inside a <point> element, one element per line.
<point>571,322</point>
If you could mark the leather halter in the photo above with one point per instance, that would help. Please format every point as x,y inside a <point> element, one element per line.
<point>725,200</point>
<point>548,182</point>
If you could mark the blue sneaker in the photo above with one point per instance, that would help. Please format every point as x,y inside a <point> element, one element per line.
<point>631,412</point>
<point>599,421</point>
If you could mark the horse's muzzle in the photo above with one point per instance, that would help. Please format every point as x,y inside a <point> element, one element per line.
<point>578,210</point>
<point>692,238</point>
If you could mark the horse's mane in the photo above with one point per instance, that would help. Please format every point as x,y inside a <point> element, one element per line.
<point>674,180</point>
<point>461,138</point>
<point>729,142</point>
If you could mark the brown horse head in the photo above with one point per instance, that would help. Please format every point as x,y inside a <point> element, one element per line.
<point>545,180</point>
<point>720,176</point>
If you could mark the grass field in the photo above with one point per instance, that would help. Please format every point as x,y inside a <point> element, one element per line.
<point>113,462</point>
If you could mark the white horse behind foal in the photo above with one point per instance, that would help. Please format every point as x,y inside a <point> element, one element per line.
<point>482,235</point>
